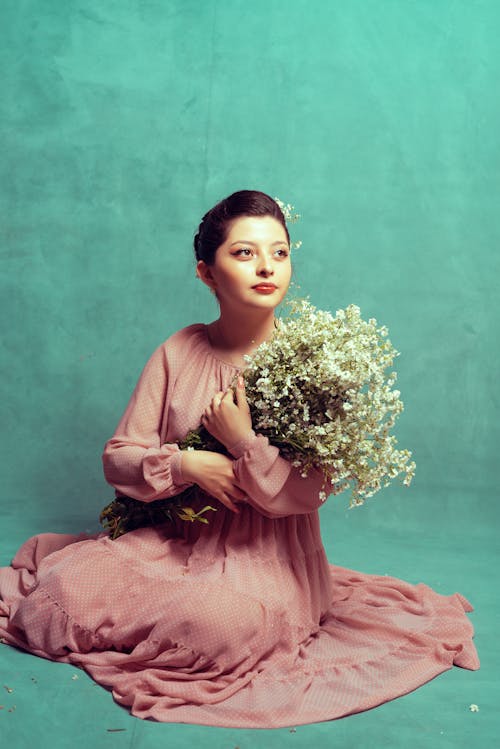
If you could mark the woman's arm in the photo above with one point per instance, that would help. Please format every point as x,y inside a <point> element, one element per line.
<point>271,484</point>
<point>139,466</point>
<point>134,460</point>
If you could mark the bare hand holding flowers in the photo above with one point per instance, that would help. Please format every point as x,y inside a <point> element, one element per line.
<point>226,420</point>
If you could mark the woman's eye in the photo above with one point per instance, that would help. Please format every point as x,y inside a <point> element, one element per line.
<point>282,252</point>
<point>245,251</point>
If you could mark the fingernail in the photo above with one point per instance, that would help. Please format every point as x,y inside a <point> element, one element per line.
<point>241,382</point>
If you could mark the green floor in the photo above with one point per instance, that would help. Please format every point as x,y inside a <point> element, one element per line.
<point>53,705</point>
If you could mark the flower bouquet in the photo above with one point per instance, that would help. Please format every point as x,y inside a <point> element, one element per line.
<point>320,391</point>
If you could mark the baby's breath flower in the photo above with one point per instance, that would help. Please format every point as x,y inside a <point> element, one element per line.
<point>338,407</point>
<point>287,209</point>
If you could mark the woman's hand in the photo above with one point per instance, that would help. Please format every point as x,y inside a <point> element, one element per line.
<point>227,421</point>
<point>214,474</point>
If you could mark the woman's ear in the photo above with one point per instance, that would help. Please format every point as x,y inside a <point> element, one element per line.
<point>204,273</point>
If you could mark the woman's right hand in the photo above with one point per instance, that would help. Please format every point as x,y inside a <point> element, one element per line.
<point>214,474</point>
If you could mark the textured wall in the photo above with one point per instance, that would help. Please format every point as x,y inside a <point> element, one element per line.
<point>123,122</point>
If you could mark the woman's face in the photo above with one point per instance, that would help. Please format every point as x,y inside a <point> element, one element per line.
<point>252,267</point>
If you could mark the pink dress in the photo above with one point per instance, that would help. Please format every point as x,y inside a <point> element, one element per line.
<point>239,623</point>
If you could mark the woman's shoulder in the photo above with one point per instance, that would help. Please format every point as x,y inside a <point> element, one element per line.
<point>188,341</point>
<point>191,335</point>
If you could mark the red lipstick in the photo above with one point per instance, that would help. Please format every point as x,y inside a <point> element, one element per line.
<point>265,288</point>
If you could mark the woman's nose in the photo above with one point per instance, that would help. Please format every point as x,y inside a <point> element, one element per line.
<point>264,267</point>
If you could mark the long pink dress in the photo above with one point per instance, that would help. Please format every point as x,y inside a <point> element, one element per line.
<point>239,623</point>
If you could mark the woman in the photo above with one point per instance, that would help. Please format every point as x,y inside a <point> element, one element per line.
<point>241,622</point>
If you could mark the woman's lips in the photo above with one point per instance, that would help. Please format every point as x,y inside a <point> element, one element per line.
<point>264,288</point>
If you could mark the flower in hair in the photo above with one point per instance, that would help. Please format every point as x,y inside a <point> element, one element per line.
<point>288,211</point>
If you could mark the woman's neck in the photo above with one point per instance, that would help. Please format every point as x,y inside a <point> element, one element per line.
<point>237,338</point>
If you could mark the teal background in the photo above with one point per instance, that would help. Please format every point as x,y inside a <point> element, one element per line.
<point>121,124</point>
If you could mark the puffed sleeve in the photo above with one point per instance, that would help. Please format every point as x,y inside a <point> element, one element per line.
<point>273,486</point>
<point>134,460</point>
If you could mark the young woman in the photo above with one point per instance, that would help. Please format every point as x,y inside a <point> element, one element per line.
<point>241,622</point>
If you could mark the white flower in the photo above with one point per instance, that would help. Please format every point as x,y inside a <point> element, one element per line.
<point>338,407</point>
<point>291,217</point>
<point>287,210</point>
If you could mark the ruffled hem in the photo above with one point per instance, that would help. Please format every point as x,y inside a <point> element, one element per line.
<point>380,638</point>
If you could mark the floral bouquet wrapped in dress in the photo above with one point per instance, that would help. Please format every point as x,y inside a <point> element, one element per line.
<point>321,389</point>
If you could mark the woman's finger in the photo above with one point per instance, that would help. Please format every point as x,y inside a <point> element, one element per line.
<point>241,397</point>
<point>227,502</point>
<point>238,494</point>
<point>219,396</point>
<point>231,490</point>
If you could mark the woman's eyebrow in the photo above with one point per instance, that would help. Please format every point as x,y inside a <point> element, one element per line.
<point>254,244</point>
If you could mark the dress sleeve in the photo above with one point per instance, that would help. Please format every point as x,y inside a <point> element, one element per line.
<point>134,460</point>
<point>273,486</point>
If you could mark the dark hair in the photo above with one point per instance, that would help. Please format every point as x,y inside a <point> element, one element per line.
<point>213,229</point>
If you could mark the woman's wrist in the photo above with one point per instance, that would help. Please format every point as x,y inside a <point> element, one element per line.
<point>189,463</point>
<point>176,471</point>
<point>240,446</point>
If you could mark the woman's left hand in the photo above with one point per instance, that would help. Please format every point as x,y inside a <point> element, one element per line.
<point>226,420</point>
